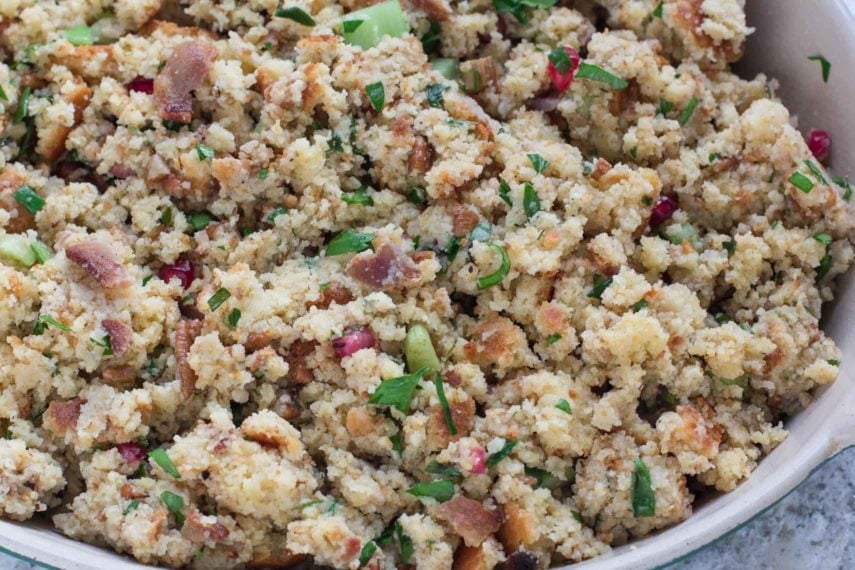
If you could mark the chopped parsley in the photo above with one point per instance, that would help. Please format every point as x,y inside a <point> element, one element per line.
<point>200,220</point>
<point>160,457</point>
<point>105,344</point>
<point>564,406</point>
<point>642,304</point>
<point>398,392</point>
<point>434,94</point>
<point>442,490</point>
<point>204,152</point>
<point>174,503</point>
<point>350,26</point>
<point>368,550</point>
<point>349,241</point>
<point>132,506</point>
<point>596,73</point>
<point>358,197</point>
<point>296,14</point>
<point>658,10</point>
<point>262,174</point>
<point>22,109</point>
<point>553,338</point>
<point>847,187</point>
<point>431,38</point>
<point>505,192</point>
<point>560,61</point>
<point>519,8</point>
<point>543,478</point>
<point>166,217</point>
<point>445,471</point>
<point>452,249</point>
<point>443,402</point>
<point>277,211</point>
<point>538,162</point>
<point>531,201</point>
<point>495,458</point>
<point>417,195</point>
<point>643,498</point>
<point>687,113</point>
<point>600,286</point>
<point>665,107</point>
<point>218,298</point>
<point>376,94</point>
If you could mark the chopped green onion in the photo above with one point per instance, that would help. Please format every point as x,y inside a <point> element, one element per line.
<point>166,217</point>
<point>826,66</point>
<point>419,351</point>
<point>368,550</point>
<point>531,201</point>
<point>376,94</point>
<point>506,450</point>
<point>665,107</point>
<point>358,197</point>
<point>23,105</point>
<point>398,392</point>
<point>16,248</point>
<point>350,26</point>
<point>687,113</point>
<point>174,503</point>
<point>397,444</point>
<point>161,458</point>
<point>262,174</point>
<point>643,498</point>
<point>277,211</point>
<point>80,35</point>
<point>443,402</point>
<point>481,232</point>
<point>595,73</point>
<point>204,152</point>
<point>505,192</point>
<point>801,182</point>
<point>233,318</point>
<point>564,406</point>
<point>405,543</point>
<point>105,344</point>
<point>817,173</point>
<point>218,298</point>
<point>640,305</point>
<point>496,277</point>
<point>824,265</point>
<point>847,187</point>
<point>823,238</point>
<point>447,67</point>
<point>29,199</point>
<point>48,320</point>
<point>445,471</point>
<point>41,251</point>
<point>538,162</point>
<point>349,241</point>
<point>132,506</point>
<point>543,478</point>
<point>442,490</point>
<point>296,14</point>
<point>452,249</point>
<point>657,12</point>
<point>433,92</point>
<point>384,19</point>
<point>200,220</point>
<point>553,338</point>
<point>600,286</point>
<point>713,157</point>
<point>417,195</point>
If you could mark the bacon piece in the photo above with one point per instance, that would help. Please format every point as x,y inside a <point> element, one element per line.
<point>387,268</point>
<point>296,359</point>
<point>185,333</point>
<point>61,416</point>
<point>436,9</point>
<point>421,158</point>
<point>463,220</point>
<point>197,530</point>
<point>470,519</point>
<point>121,335</point>
<point>99,261</point>
<point>184,72</point>
<point>463,414</point>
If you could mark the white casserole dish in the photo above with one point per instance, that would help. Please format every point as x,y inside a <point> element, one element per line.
<point>788,31</point>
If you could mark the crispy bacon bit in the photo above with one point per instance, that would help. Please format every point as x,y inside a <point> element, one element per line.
<point>333,293</point>
<point>463,220</point>
<point>470,519</point>
<point>132,452</point>
<point>185,333</point>
<point>119,376</point>
<point>469,558</point>
<point>518,528</point>
<point>61,416</point>
<point>197,530</point>
<point>436,9</point>
<point>421,158</point>
<point>463,414</point>
<point>121,335</point>
<point>99,261</point>
<point>387,268</point>
<point>296,357</point>
<point>184,72</point>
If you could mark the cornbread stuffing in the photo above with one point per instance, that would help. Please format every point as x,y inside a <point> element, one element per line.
<point>437,284</point>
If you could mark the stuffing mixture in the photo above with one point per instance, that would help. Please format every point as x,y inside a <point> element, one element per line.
<point>438,284</point>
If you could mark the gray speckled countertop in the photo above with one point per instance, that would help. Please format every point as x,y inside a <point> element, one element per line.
<point>811,528</point>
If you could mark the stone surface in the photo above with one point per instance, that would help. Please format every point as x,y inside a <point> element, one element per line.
<point>811,528</point>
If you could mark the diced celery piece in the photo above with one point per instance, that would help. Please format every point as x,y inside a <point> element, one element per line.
<point>385,19</point>
<point>419,351</point>
<point>80,35</point>
<point>447,67</point>
<point>17,248</point>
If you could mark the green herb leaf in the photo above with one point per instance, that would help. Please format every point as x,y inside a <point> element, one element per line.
<point>452,249</point>
<point>505,192</point>
<point>560,61</point>
<point>350,26</point>
<point>544,478</point>
<point>814,169</point>
<point>531,201</point>
<point>687,113</point>
<point>297,14</point>
<point>368,550</point>
<point>160,457</point>
<point>29,199</point>
<point>3,95</point>
<point>496,277</point>
<point>643,498</point>
<point>277,211</point>
<point>218,298</point>
<point>443,401</point>
<point>823,238</point>
<point>376,94</point>
<point>442,490</point>
<point>847,187</point>
<point>358,197</point>
<point>538,162</point>
<point>397,444</point>
<point>174,503</point>
<point>639,305</point>
<point>433,92</point>
<point>104,343</point>
<point>166,217</point>
<point>262,174</point>
<point>204,152</point>
<point>801,182</point>
<point>600,286</point>
<point>48,320</point>
<point>564,406</point>
<point>834,362</point>
<point>657,12</point>
<point>398,392</point>
<point>595,73</point>
<point>132,506</point>
<point>233,318</point>
<point>349,241</point>
<point>664,108</point>
<point>553,338</point>
<point>417,195</point>
<point>80,35</point>
<point>404,542</point>
<point>826,66</point>
<point>713,157</point>
<point>824,266</point>
<point>494,458</point>
<point>445,471</point>
<point>200,220</point>
<point>23,108</point>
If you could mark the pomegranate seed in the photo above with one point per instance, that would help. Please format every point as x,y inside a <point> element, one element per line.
<point>562,81</point>
<point>131,452</point>
<point>663,210</point>
<point>479,460</point>
<point>181,270</point>
<point>819,143</point>
<point>141,84</point>
<point>354,339</point>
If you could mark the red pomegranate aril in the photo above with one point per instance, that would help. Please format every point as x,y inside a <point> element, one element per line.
<point>141,84</point>
<point>819,143</point>
<point>479,460</point>
<point>663,210</point>
<point>562,80</point>
<point>131,452</point>
<point>354,339</point>
<point>181,270</point>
